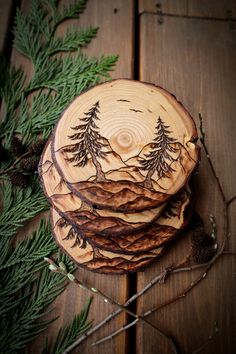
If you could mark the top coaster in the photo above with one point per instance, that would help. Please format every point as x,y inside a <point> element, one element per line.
<point>125,146</point>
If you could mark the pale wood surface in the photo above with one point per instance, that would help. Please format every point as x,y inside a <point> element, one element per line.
<point>195,60</point>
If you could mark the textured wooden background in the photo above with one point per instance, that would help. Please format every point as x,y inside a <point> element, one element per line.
<point>190,50</point>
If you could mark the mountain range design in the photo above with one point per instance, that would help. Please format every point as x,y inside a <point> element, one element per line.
<point>99,260</point>
<point>124,196</point>
<point>116,236</point>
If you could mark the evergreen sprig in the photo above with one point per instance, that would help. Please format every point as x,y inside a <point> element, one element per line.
<point>21,323</point>
<point>23,262</point>
<point>35,31</point>
<point>72,40</point>
<point>67,335</point>
<point>65,76</point>
<point>68,77</point>
<point>31,106</point>
<point>19,206</point>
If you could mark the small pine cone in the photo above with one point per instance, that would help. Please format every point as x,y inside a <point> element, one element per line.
<point>200,239</point>
<point>197,237</point>
<point>29,163</point>
<point>203,255</point>
<point>37,148</point>
<point>17,148</point>
<point>19,179</point>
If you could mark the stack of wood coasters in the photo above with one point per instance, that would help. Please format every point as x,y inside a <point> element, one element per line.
<point>116,173</point>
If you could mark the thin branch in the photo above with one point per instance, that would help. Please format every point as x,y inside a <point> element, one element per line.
<point>231,200</point>
<point>112,335</point>
<point>163,304</point>
<point>160,278</point>
<point>202,139</point>
<point>209,339</point>
<point>62,270</point>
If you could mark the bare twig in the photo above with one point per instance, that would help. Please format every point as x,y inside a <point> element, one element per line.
<point>202,139</point>
<point>61,268</point>
<point>113,334</point>
<point>163,304</point>
<point>231,200</point>
<point>157,279</point>
<point>209,339</point>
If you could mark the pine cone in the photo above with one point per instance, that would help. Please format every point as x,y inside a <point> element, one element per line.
<point>203,255</point>
<point>17,148</point>
<point>37,148</point>
<point>200,239</point>
<point>19,179</point>
<point>29,163</point>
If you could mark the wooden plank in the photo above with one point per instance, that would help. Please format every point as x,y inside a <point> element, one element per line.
<point>112,39</point>
<point>195,59</point>
<point>202,8</point>
<point>115,35</point>
<point>176,7</point>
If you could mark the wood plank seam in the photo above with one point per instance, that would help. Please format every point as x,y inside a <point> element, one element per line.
<point>161,15</point>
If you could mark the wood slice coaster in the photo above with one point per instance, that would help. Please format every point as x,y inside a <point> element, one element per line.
<point>72,207</point>
<point>173,220</point>
<point>86,255</point>
<point>125,146</point>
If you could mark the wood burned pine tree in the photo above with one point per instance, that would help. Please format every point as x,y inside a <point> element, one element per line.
<point>89,143</point>
<point>160,158</point>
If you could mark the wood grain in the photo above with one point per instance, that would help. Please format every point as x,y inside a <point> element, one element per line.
<point>115,35</point>
<point>195,60</point>
<point>201,8</point>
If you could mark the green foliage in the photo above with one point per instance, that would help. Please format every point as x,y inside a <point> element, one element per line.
<point>72,40</point>
<point>64,76</point>
<point>12,82</point>
<point>66,336</point>
<point>19,206</point>
<point>68,77</point>
<point>27,304</point>
<point>34,32</point>
<point>30,108</point>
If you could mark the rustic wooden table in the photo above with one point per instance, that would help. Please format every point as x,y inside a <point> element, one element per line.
<point>190,50</point>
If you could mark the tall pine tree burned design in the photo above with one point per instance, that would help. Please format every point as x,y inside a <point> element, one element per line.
<point>90,143</point>
<point>160,158</point>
